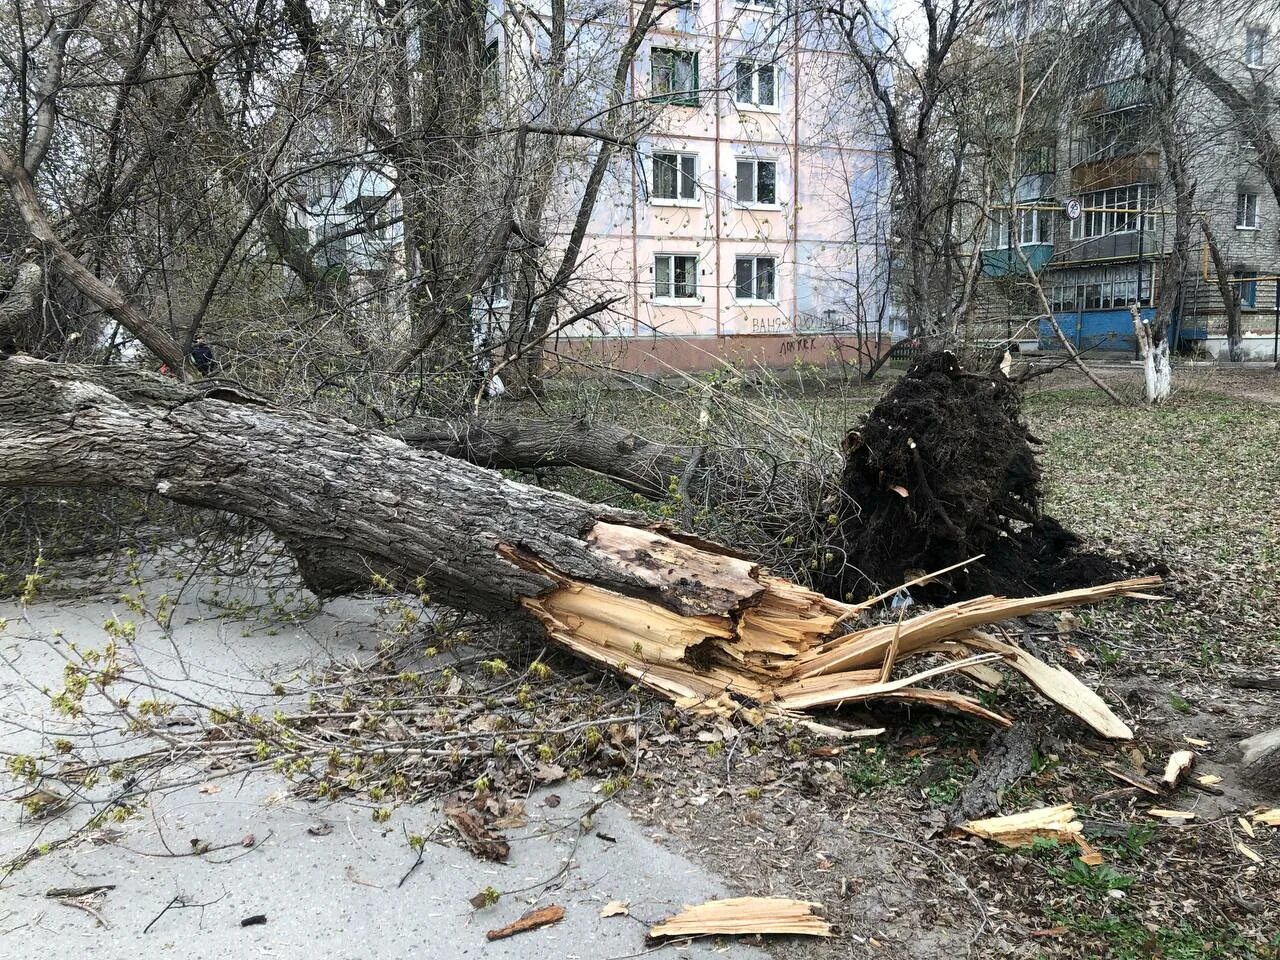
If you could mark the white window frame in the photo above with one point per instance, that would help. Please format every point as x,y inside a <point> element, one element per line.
<point>757,67</point>
<point>671,297</point>
<point>997,227</point>
<point>1255,53</point>
<point>678,200</point>
<point>755,278</point>
<point>1247,210</point>
<point>755,203</point>
<point>1115,209</point>
<point>1041,226</point>
<point>770,6</point>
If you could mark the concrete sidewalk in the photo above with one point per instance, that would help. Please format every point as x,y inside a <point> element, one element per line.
<point>326,876</point>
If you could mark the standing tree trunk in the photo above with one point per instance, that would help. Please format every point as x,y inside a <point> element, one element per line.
<point>1229,293</point>
<point>1153,347</point>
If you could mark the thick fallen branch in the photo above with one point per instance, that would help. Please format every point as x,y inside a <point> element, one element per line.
<point>687,618</point>
<point>644,466</point>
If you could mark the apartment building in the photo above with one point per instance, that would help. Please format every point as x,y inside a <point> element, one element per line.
<point>1092,212</point>
<point>751,221</point>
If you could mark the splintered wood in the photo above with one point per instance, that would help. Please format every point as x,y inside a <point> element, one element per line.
<point>1022,829</point>
<point>741,915</point>
<point>706,627</point>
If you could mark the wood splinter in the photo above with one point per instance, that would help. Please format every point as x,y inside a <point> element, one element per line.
<point>743,915</point>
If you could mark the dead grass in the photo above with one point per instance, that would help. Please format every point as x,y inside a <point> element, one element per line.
<point>1194,483</point>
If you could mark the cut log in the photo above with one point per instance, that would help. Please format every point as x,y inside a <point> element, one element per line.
<point>690,619</point>
<point>743,915</point>
<point>1260,761</point>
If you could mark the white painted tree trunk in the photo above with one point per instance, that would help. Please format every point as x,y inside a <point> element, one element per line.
<point>1154,350</point>
<point>1157,372</point>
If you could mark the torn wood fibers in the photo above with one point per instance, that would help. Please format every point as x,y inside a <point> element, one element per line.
<point>704,627</point>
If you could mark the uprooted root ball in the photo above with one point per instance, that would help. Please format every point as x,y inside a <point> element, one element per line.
<point>944,469</point>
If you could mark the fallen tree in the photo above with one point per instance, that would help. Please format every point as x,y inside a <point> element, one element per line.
<point>941,470</point>
<point>691,619</point>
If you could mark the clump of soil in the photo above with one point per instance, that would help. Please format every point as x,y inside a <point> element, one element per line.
<point>943,469</point>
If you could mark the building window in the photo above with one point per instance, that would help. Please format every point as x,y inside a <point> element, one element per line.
<point>675,76</point>
<point>998,230</point>
<point>759,4</point>
<point>1107,212</point>
<point>1034,226</point>
<point>368,209</point>
<point>496,295</point>
<point>1112,134</point>
<point>1100,288</point>
<point>1255,46</point>
<point>758,181</point>
<point>675,277</point>
<point>491,66</point>
<point>1034,161</point>
<point>755,84</point>
<point>675,176</point>
<point>1247,285</point>
<point>755,278</point>
<point>1246,211</point>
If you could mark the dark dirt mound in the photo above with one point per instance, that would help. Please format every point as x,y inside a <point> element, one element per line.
<point>943,469</point>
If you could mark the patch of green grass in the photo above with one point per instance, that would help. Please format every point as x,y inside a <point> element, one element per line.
<point>1096,880</point>
<point>1122,938</point>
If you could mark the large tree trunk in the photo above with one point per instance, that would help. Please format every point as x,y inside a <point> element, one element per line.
<point>361,501</point>
<point>683,616</point>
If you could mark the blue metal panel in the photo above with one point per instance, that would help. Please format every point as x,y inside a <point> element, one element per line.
<point>1094,329</point>
<point>1002,262</point>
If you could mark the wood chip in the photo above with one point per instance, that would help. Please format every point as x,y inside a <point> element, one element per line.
<point>1268,818</point>
<point>1021,829</point>
<point>1057,684</point>
<point>1195,742</point>
<point>1089,856</point>
<point>1249,852</point>
<point>616,908</point>
<point>1246,826</point>
<point>1179,762</point>
<point>739,915</point>
<point>542,917</point>
<point>1208,779</point>
<point>1172,814</point>
<point>1131,778</point>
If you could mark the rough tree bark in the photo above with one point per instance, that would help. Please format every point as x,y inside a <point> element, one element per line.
<point>641,465</point>
<point>349,502</point>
